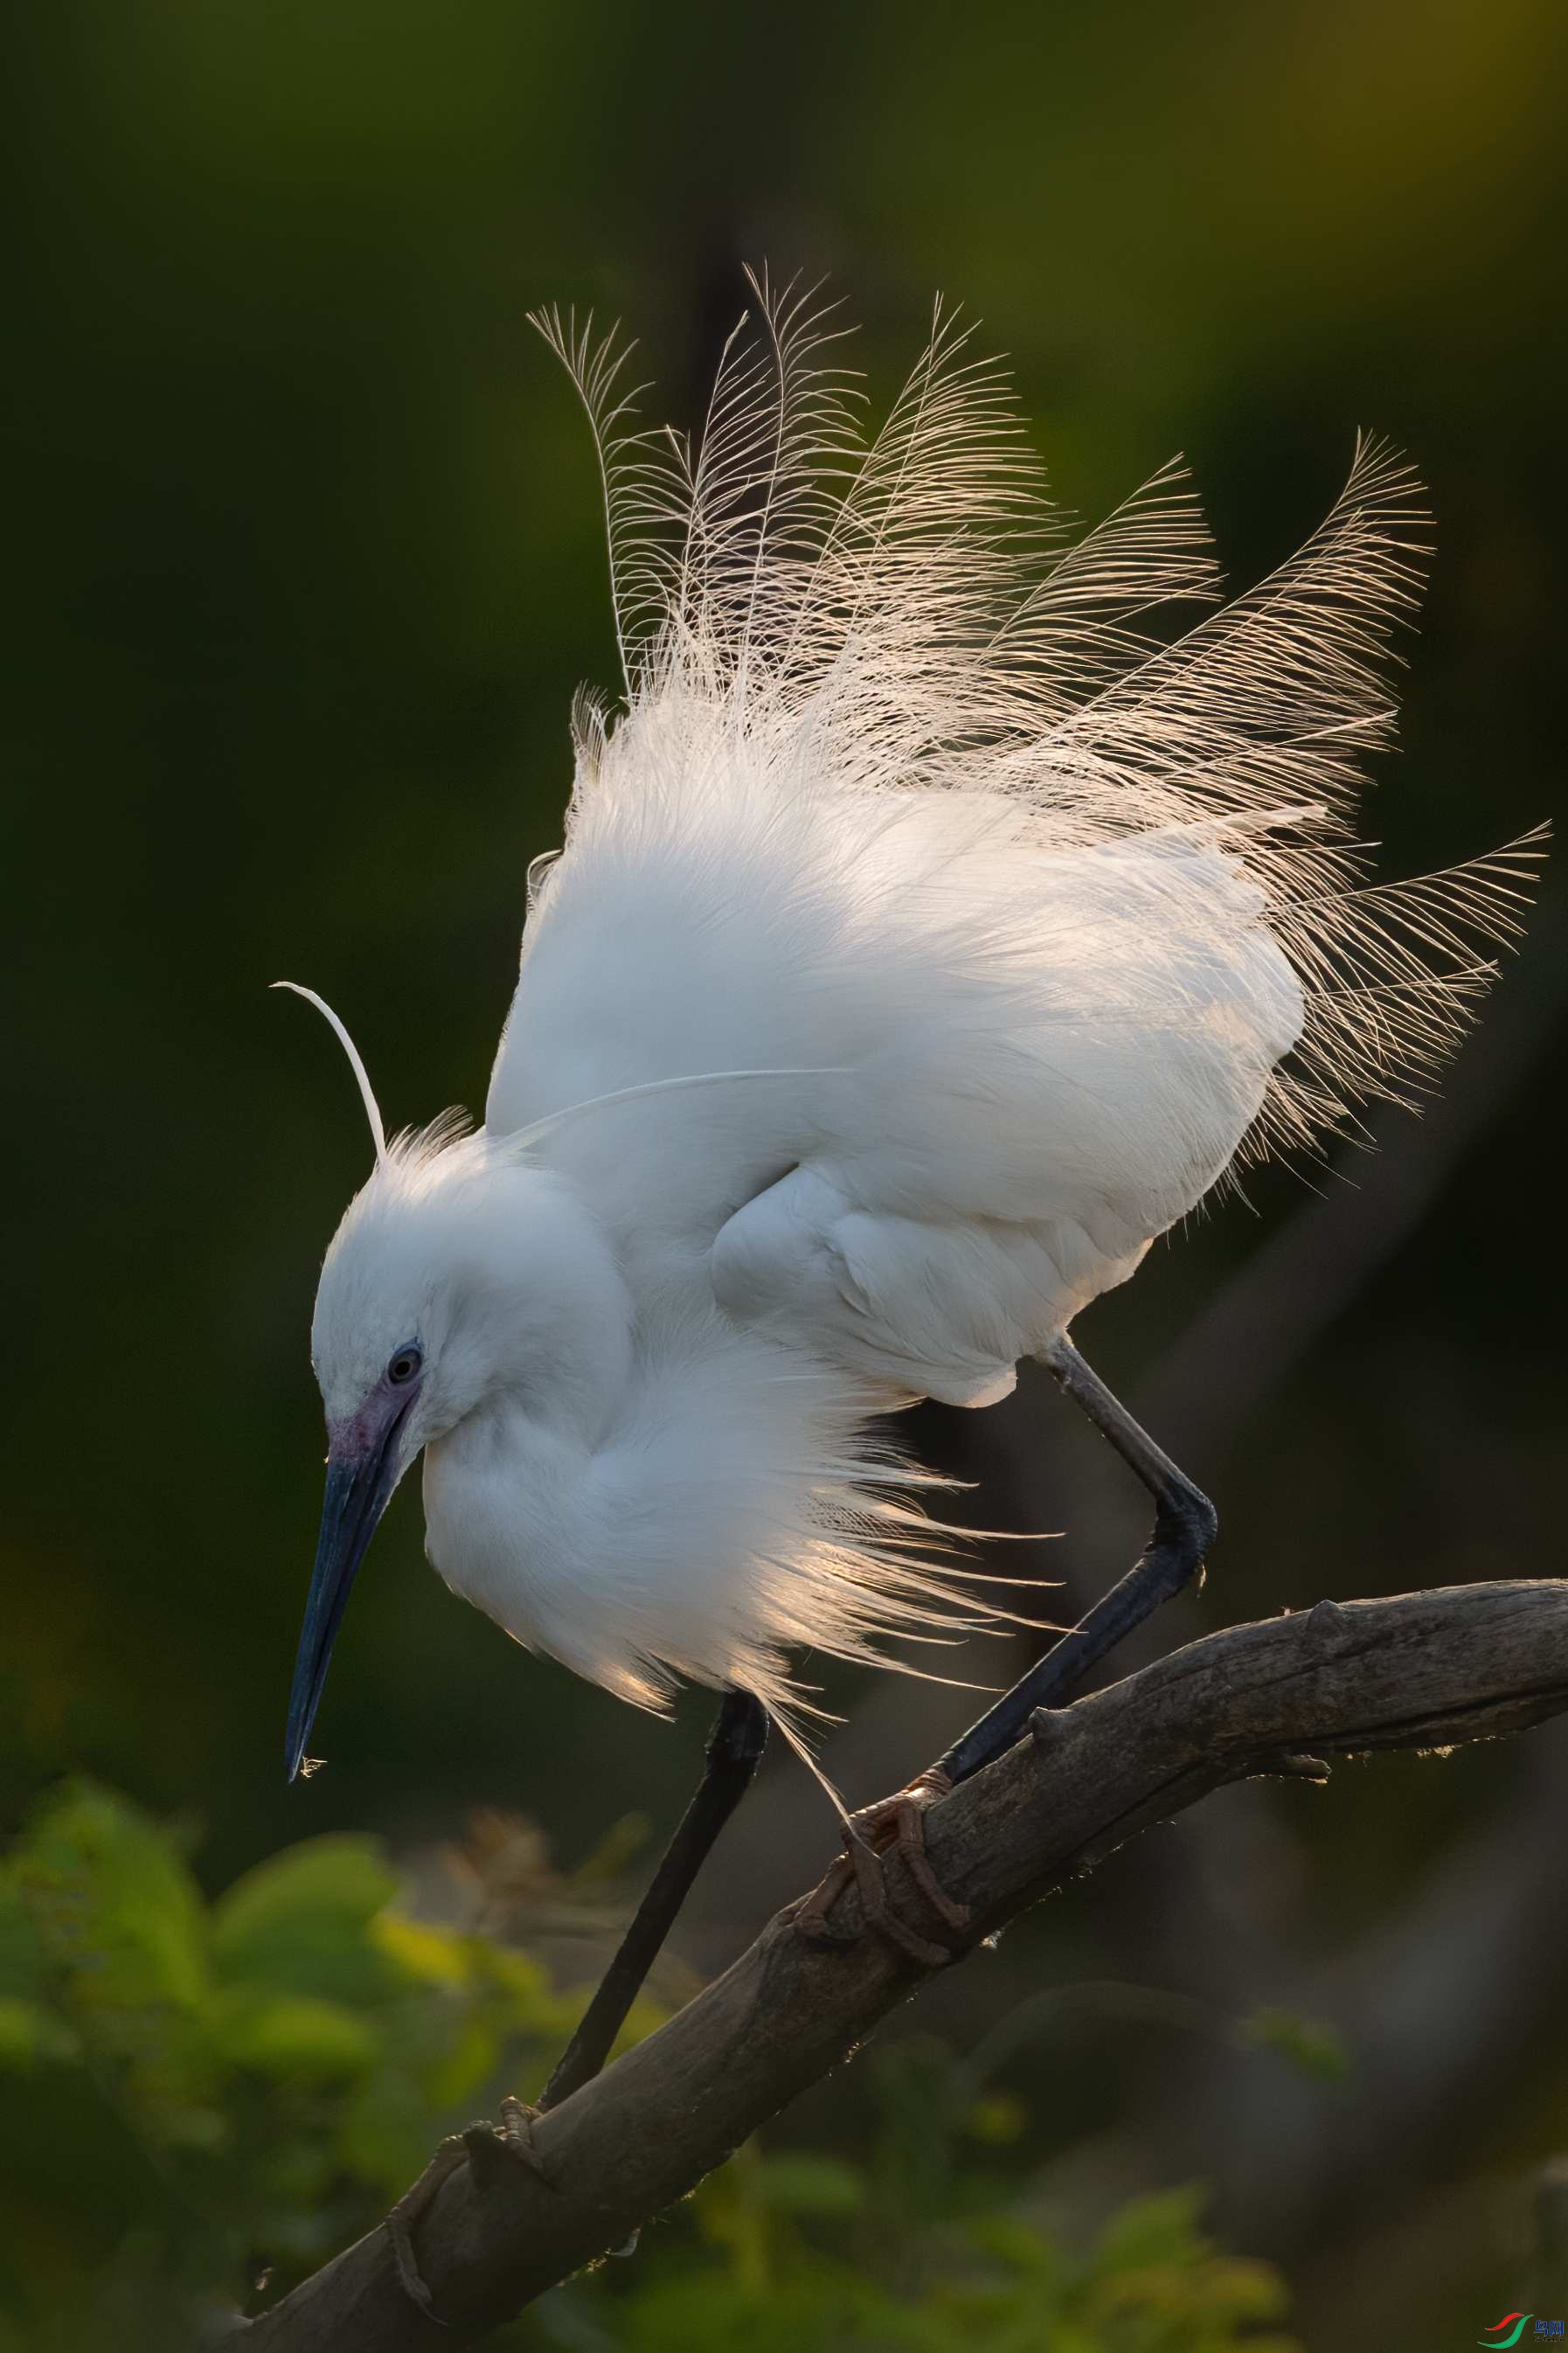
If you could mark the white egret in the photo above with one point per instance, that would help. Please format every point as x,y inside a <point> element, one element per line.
<point>930,933</point>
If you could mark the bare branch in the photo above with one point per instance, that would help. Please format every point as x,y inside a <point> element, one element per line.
<point>1424,1670</point>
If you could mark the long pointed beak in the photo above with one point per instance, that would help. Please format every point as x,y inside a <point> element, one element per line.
<point>363,1469</point>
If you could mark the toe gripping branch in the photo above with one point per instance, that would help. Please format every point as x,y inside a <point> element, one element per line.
<point>487,2149</point>
<point>892,1824</point>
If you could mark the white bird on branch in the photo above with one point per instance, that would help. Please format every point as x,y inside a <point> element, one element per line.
<point>930,933</point>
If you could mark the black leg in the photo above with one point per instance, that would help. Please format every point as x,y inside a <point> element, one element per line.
<point>1185,1526</point>
<point>734,1747</point>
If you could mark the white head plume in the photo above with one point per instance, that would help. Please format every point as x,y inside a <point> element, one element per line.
<point>356,1064</point>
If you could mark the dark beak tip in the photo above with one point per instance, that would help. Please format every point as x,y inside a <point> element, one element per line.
<point>359,1487</point>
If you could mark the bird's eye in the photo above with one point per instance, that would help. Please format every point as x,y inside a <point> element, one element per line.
<point>403,1368</point>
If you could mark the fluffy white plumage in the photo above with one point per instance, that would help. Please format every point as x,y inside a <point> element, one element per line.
<point>996,928</point>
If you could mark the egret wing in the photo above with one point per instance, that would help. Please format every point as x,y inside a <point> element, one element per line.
<point>1043,917</point>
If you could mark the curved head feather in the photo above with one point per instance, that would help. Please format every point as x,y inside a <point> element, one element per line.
<point>356,1064</point>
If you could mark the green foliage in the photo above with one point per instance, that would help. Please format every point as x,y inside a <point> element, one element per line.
<point>194,2094</point>
<point>929,2247</point>
<point>814,2253</point>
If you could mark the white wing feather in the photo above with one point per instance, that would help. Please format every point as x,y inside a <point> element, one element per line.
<point>907,782</point>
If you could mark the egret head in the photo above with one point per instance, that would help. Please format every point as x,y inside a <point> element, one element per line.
<point>461,1271</point>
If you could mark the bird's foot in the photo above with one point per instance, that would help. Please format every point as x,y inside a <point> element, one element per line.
<point>485,2148</point>
<point>892,1823</point>
<point>488,2147</point>
<point>399,2224</point>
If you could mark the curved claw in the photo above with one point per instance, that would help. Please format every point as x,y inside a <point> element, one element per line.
<point>892,1822</point>
<point>490,2147</point>
<point>908,1812</point>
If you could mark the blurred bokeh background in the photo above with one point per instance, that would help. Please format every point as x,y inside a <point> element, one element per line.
<point>304,562</point>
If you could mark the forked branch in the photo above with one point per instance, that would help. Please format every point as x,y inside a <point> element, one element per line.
<point>1424,1670</point>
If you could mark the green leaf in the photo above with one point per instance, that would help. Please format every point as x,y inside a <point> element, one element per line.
<point>298,2039</point>
<point>428,1955</point>
<point>1158,2229</point>
<point>299,1922</point>
<point>115,1907</point>
<point>31,2036</point>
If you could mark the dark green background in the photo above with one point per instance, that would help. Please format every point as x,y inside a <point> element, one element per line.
<point>303,562</point>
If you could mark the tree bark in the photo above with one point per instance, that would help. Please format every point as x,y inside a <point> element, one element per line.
<point>1424,1670</point>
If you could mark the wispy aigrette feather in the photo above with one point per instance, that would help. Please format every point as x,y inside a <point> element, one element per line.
<point>910,613</point>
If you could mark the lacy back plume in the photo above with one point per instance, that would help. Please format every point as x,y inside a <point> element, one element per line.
<point>908,611</point>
